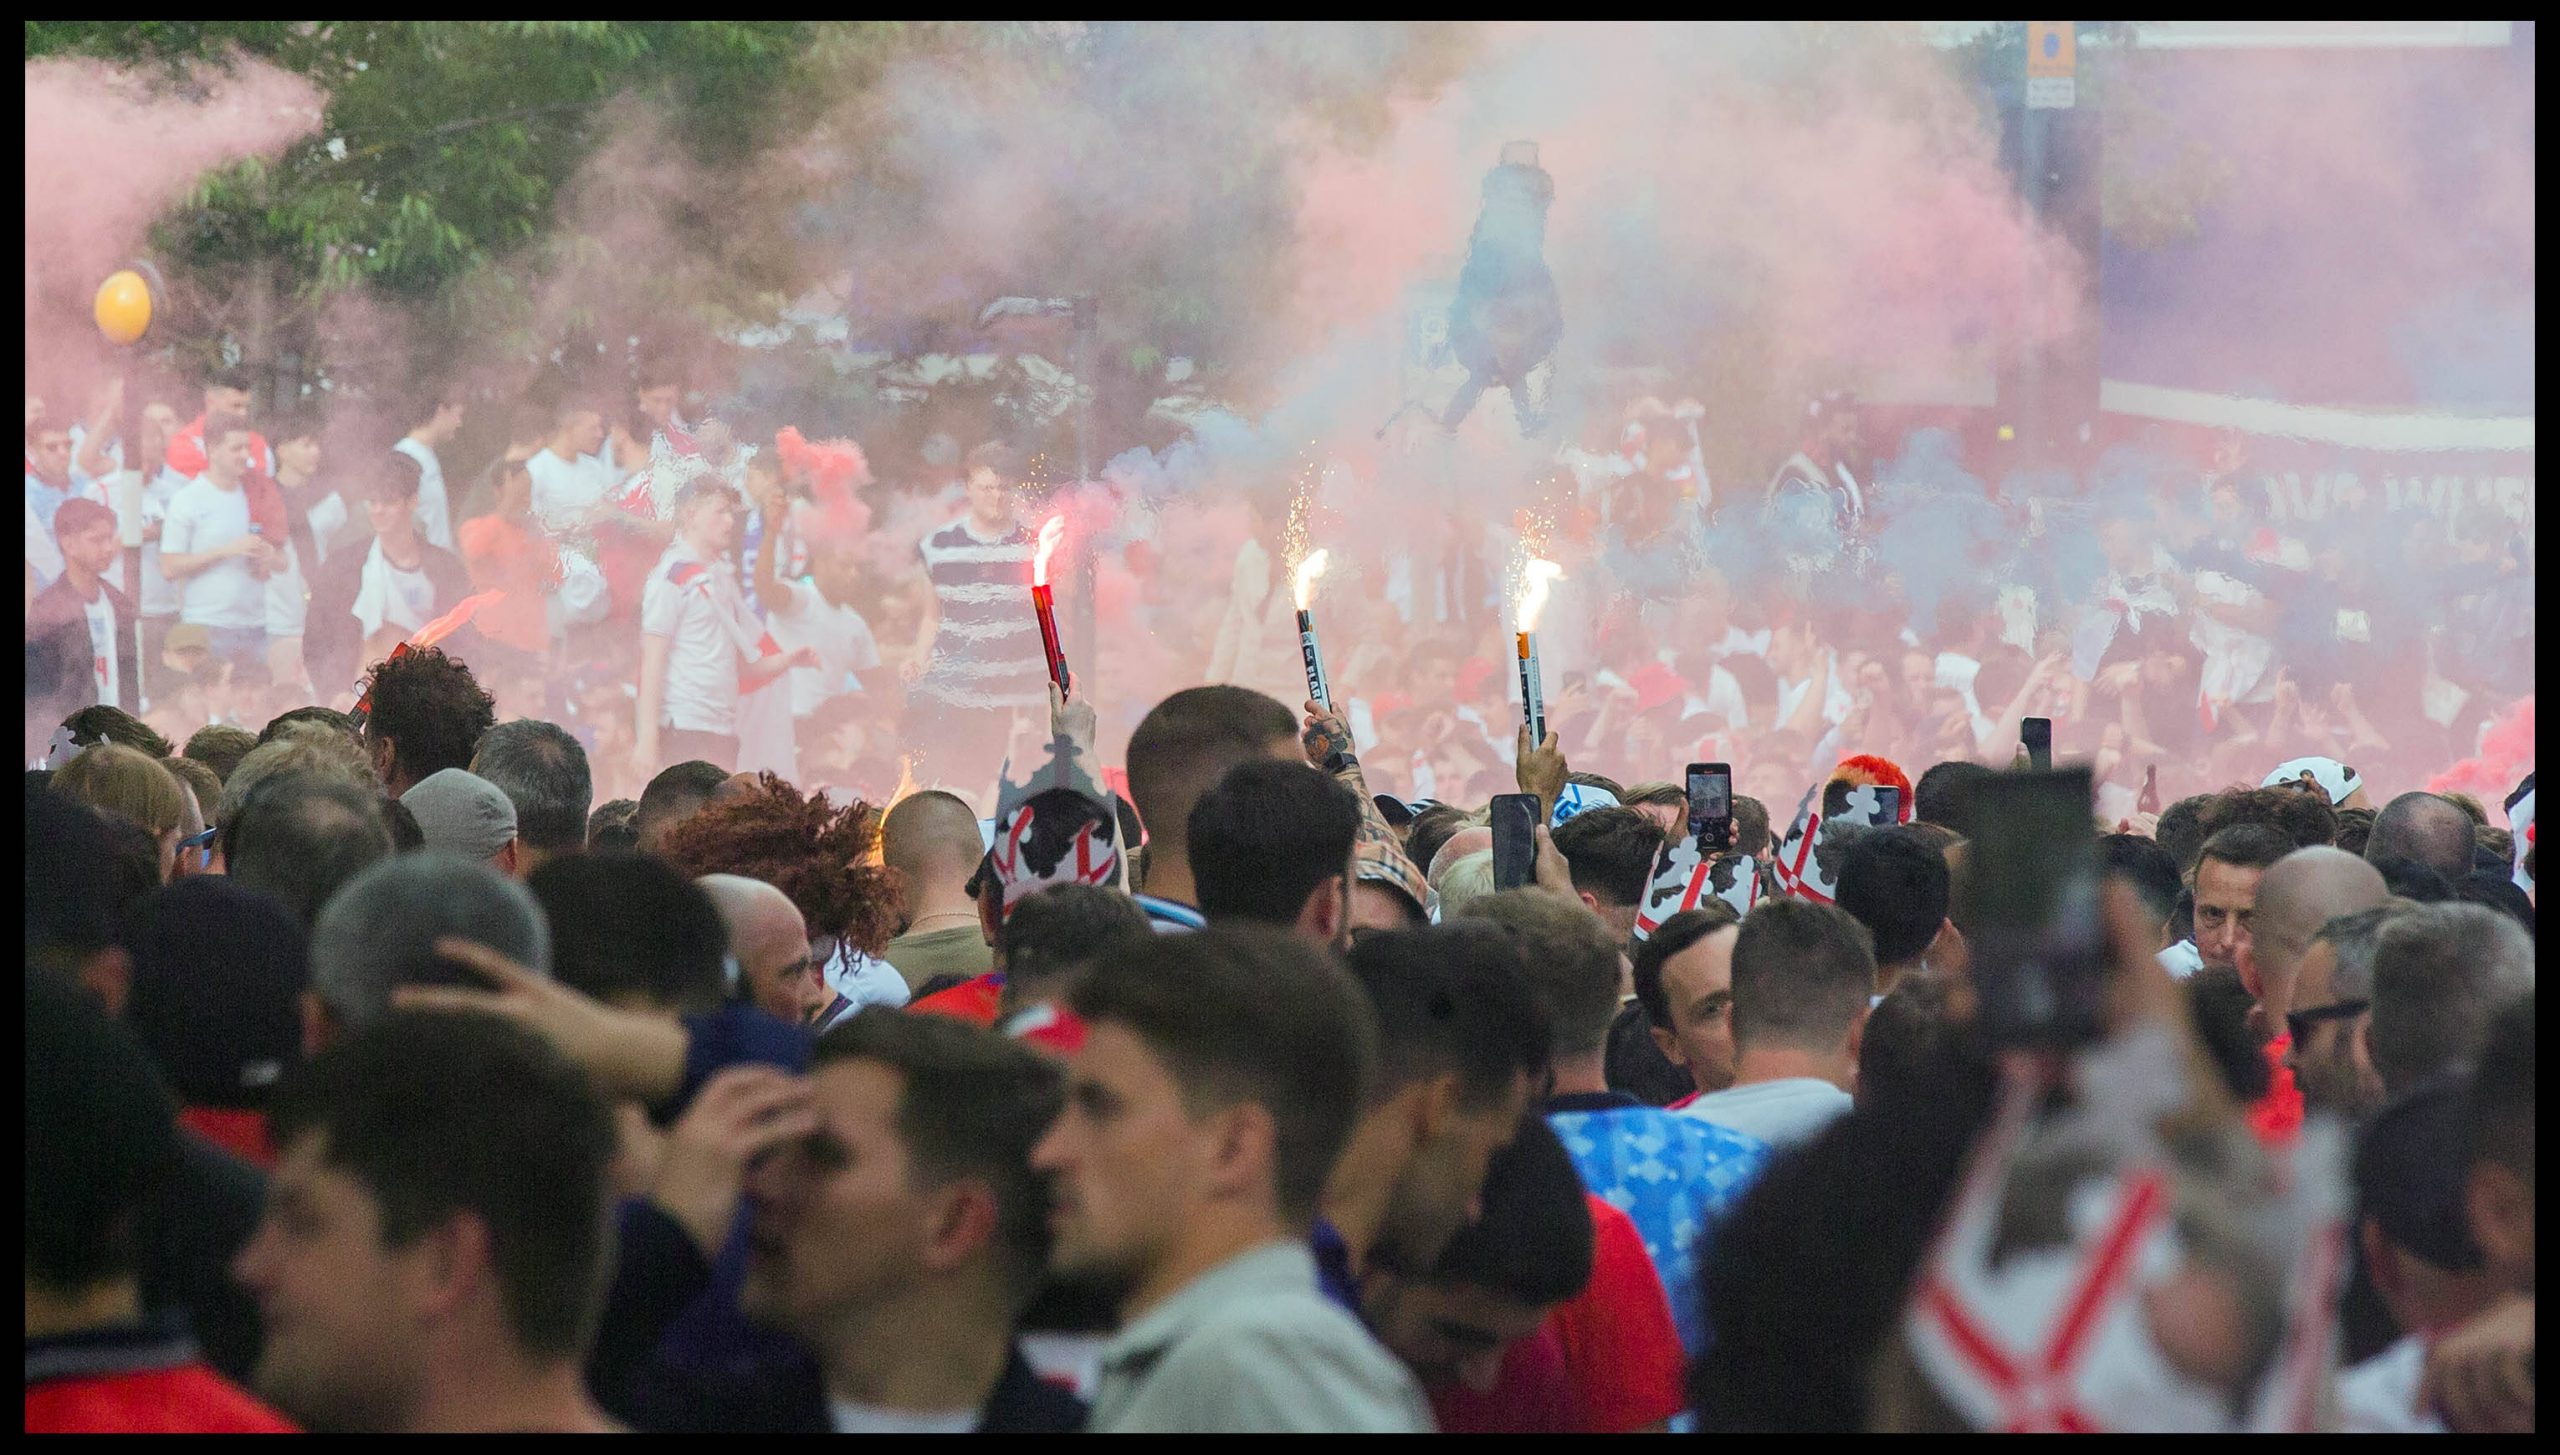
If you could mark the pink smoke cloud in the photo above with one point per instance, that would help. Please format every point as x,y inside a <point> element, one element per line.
<point>107,153</point>
<point>2506,755</point>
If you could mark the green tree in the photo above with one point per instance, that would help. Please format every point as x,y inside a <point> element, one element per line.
<point>435,180</point>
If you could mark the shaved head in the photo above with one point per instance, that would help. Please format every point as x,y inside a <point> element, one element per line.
<point>933,834</point>
<point>2296,896</point>
<point>2426,827</point>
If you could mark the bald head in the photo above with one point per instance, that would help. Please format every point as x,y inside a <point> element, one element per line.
<point>2296,896</point>
<point>770,942</point>
<point>932,839</point>
<point>2426,827</point>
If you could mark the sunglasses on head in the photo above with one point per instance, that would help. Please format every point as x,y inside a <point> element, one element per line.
<point>2298,1023</point>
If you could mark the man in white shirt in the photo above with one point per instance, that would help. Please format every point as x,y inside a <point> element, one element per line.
<point>1802,975</point>
<point>699,649</point>
<point>435,512</point>
<point>1219,1080</point>
<point>210,546</point>
<point>570,482</point>
<point>815,611</point>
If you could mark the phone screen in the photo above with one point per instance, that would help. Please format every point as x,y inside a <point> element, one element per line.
<point>1515,839</point>
<point>2037,734</point>
<point>2029,902</point>
<point>1711,804</point>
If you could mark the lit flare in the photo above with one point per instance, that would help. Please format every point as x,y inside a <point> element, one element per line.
<point>1308,570</point>
<point>1539,577</point>
<point>1051,532</point>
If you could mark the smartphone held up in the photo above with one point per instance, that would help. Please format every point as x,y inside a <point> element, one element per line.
<point>2029,900</point>
<point>1515,840</point>
<point>1711,805</point>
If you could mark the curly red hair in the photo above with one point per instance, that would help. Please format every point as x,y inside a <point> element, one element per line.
<point>804,846</point>
<point>1866,770</point>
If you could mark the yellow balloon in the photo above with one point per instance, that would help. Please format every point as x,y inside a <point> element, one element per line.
<point>123,309</point>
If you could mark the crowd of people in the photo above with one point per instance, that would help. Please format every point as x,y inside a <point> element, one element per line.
<point>378,1078</point>
<point>668,588</point>
<point>616,946</point>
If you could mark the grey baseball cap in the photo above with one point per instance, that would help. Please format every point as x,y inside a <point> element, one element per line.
<point>462,812</point>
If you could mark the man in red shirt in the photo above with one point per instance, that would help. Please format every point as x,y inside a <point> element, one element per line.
<point>100,1139</point>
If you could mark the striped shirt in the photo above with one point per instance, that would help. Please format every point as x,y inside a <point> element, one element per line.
<point>986,652</point>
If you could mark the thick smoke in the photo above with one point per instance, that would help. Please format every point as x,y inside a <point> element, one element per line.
<point>1745,214</point>
<point>108,151</point>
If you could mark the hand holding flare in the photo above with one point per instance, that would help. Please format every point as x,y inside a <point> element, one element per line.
<point>1308,570</point>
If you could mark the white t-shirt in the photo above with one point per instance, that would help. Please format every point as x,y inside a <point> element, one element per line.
<point>850,1418</point>
<point>288,596</point>
<point>159,593</point>
<point>565,491</point>
<point>702,617</point>
<point>435,517</point>
<point>2378,1397</point>
<point>326,520</point>
<point>864,979</point>
<point>839,635</point>
<point>102,645</point>
<point>202,517</point>
<point>387,594</point>
<point>1782,1113</point>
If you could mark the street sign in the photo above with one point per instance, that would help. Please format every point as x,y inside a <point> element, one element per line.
<point>2052,48</point>
<point>2053,58</point>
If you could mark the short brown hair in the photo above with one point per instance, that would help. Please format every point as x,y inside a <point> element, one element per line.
<point>1570,957</point>
<point>1187,742</point>
<point>118,780</point>
<point>2305,819</point>
<point>973,1104</point>
<point>103,723</point>
<point>200,781</point>
<point>1248,1013</point>
<point>220,747</point>
<point>1802,973</point>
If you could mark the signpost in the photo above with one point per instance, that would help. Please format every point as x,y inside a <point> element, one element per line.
<point>2052,64</point>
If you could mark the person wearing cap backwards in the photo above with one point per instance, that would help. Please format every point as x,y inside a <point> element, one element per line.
<point>466,814</point>
<point>2412,1232</point>
<point>2334,781</point>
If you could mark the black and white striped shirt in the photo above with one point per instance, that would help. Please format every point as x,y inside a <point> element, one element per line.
<point>986,652</point>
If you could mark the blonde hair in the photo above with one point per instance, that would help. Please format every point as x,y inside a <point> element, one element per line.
<point>1469,879</point>
<point>128,783</point>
